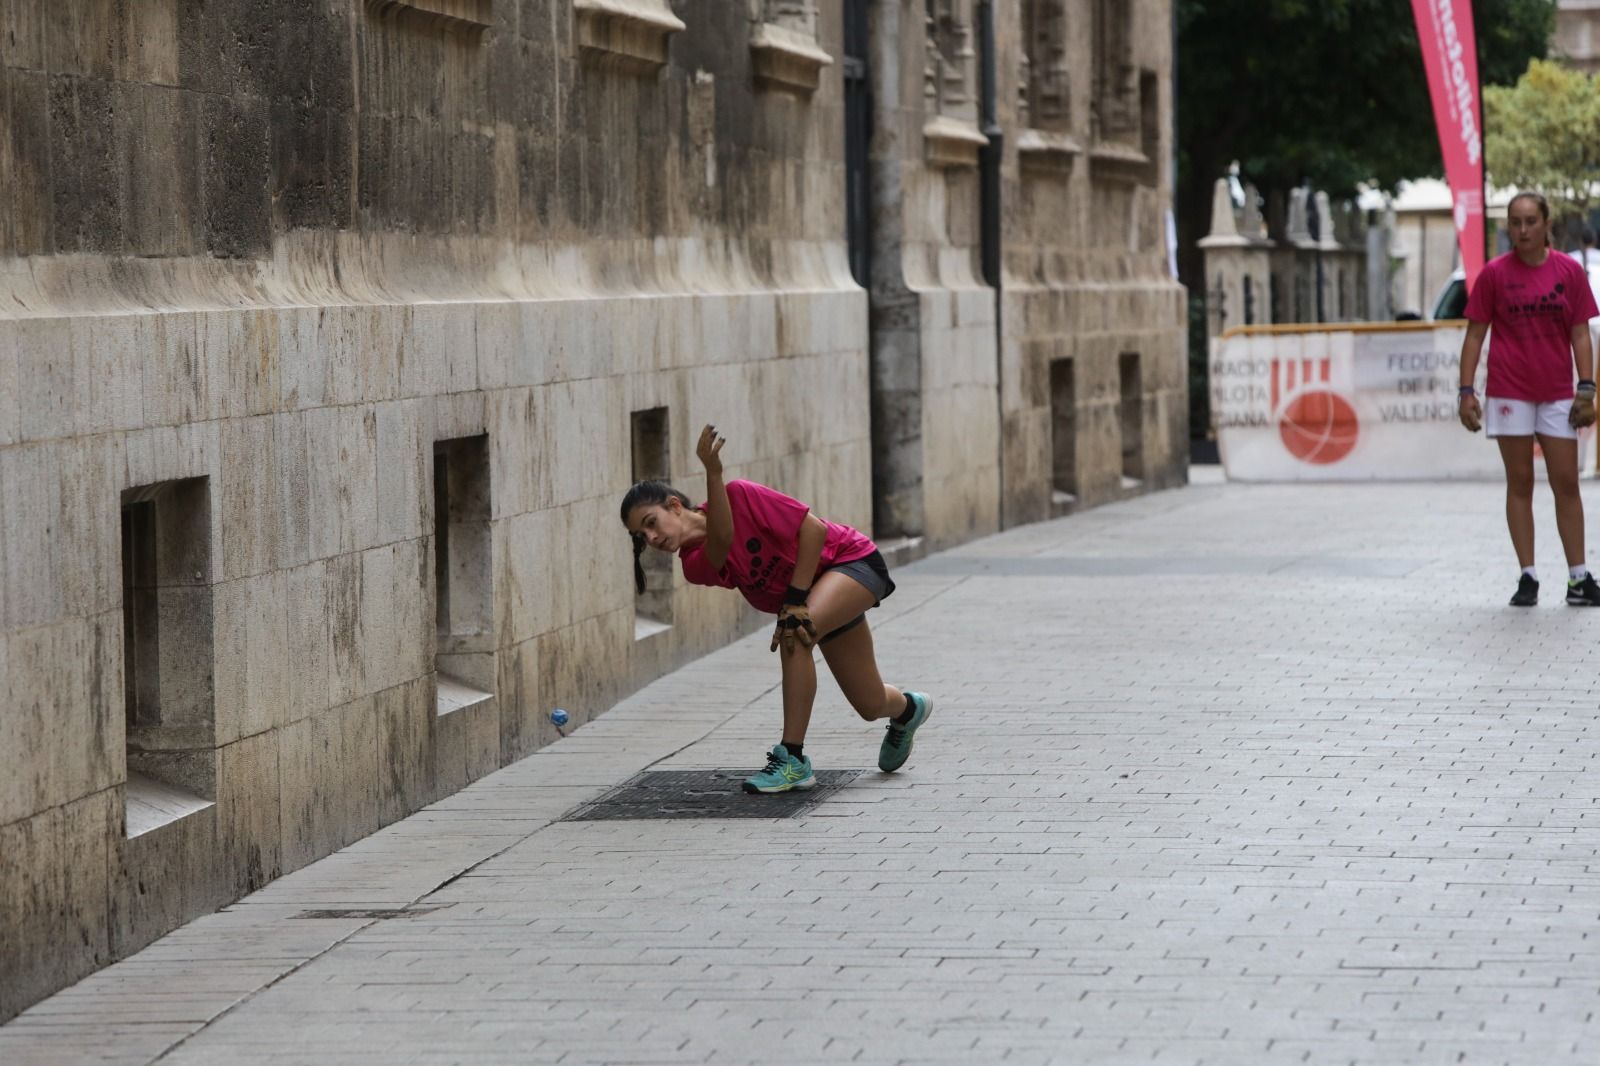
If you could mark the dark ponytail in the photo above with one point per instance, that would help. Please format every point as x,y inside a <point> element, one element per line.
<point>638,561</point>
<point>644,494</point>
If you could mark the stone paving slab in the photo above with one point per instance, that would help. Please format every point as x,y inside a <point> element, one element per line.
<point>1298,789</point>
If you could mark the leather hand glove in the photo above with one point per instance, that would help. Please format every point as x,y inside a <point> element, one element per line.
<point>794,629</point>
<point>1582,413</point>
<point>1471,412</point>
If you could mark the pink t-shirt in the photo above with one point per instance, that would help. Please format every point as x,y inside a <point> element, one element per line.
<point>766,532</point>
<point>1531,311</point>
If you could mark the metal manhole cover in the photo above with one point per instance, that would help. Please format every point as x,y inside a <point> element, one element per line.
<point>703,794</point>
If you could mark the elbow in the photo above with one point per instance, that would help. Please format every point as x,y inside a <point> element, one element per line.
<point>813,535</point>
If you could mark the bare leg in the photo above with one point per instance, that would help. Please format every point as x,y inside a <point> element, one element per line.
<point>855,667</point>
<point>1561,466</point>
<point>834,600</point>
<point>1517,455</point>
<point>799,693</point>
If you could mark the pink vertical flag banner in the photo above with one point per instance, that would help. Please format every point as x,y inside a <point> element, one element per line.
<point>1450,56</point>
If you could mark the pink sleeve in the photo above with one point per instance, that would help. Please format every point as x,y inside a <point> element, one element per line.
<point>1582,302</point>
<point>767,509</point>
<point>698,572</point>
<point>1480,301</point>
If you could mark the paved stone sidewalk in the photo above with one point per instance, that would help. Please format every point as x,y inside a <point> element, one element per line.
<point>1229,775</point>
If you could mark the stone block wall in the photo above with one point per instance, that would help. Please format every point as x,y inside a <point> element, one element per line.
<point>259,262</point>
<point>322,529</point>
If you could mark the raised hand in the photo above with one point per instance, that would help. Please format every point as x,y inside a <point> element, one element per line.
<point>709,450</point>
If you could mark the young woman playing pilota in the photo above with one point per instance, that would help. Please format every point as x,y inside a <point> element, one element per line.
<point>1539,303</point>
<point>818,577</point>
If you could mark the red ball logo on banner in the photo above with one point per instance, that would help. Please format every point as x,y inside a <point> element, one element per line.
<point>1319,426</point>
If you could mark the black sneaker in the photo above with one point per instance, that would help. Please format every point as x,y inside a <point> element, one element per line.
<point>1528,592</point>
<point>1584,592</point>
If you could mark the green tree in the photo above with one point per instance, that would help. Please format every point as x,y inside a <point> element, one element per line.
<point>1327,91</point>
<point>1544,134</point>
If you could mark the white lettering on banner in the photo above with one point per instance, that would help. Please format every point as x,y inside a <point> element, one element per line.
<point>1466,114</point>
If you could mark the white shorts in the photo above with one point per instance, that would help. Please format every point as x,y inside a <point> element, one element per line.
<point>1524,418</point>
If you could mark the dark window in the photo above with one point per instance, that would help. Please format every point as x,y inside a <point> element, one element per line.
<point>462,572</point>
<point>168,666</point>
<point>651,462</point>
<point>1132,412</point>
<point>1063,430</point>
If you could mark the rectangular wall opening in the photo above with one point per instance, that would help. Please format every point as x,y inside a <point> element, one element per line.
<point>1132,419</point>
<point>168,700</point>
<point>463,574</point>
<point>1150,124</point>
<point>652,609</point>
<point>1063,434</point>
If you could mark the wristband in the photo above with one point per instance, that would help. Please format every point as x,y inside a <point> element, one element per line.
<point>793,597</point>
<point>1585,386</point>
<point>1468,390</point>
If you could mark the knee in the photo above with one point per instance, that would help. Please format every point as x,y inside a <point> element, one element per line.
<point>795,656</point>
<point>1519,487</point>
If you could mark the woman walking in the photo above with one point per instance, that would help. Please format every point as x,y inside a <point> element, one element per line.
<point>1539,305</point>
<point>818,577</point>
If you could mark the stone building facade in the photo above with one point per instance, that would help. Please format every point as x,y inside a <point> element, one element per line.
<point>1093,368</point>
<point>331,332</point>
<point>1575,38</point>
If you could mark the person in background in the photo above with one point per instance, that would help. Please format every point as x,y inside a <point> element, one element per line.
<point>1539,305</point>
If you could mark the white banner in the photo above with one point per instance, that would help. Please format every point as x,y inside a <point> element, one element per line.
<point>1340,403</point>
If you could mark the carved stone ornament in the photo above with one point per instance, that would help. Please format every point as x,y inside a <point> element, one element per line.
<point>468,16</point>
<point>1110,161</point>
<point>952,143</point>
<point>626,35</point>
<point>1045,148</point>
<point>787,58</point>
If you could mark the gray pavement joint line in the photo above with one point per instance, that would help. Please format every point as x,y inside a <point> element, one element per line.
<point>242,1000</point>
<point>253,993</point>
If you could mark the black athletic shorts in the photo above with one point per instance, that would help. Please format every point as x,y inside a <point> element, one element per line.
<point>872,573</point>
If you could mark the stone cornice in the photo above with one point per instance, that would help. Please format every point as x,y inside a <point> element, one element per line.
<point>1120,162</point>
<point>628,35</point>
<point>471,16</point>
<point>1232,241</point>
<point>787,59</point>
<point>1043,148</point>
<point>951,142</point>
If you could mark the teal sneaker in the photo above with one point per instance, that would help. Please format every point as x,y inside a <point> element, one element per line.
<point>783,772</point>
<point>896,746</point>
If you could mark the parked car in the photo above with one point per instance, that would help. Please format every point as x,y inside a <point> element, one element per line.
<point>1451,303</point>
